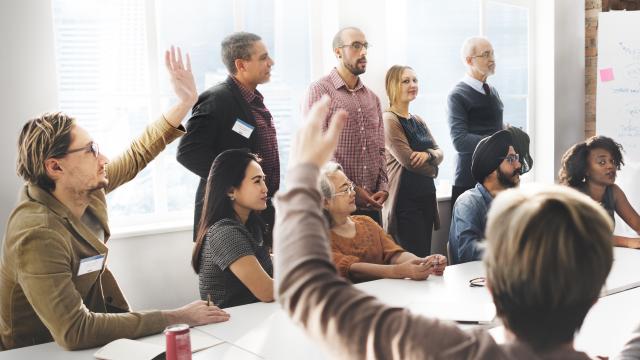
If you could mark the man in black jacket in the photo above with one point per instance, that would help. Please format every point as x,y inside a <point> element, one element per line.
<point>232,115</point>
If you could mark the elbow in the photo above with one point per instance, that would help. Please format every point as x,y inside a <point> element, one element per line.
<point>71,342</point>
<point>266,297</point>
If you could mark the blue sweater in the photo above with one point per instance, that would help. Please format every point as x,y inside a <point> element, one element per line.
<point>472,116</point>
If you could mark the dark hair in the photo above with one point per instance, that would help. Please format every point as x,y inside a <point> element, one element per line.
<point>237,46</point>
<point>227,172</point>
<point>574,163</point>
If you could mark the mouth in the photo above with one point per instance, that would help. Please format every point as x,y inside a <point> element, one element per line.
<point>362,62</point>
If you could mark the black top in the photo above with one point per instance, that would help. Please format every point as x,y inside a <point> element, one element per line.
<point>228,240</point>
<point>472,116</point>
<point>209,132</point>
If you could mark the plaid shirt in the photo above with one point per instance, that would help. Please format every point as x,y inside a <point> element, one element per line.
<point>266,140</point>
<point>361,145</point>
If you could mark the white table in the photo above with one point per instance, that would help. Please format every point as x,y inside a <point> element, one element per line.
<point>264,331</point>
<point>625,272</point>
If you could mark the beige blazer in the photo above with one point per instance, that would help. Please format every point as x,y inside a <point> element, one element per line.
<point>42,297</point>
<point>398,153</point>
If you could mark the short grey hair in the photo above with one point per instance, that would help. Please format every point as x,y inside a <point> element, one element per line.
<point>326,185</point>
<point>237,46</point>
<point>469,46</point>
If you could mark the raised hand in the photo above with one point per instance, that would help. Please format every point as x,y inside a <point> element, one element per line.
<point>184,85</point>
<point>311,144</point>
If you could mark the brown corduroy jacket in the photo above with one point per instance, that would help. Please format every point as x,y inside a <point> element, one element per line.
<point>42,297</point>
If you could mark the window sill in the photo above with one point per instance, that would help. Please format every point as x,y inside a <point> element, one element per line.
<point>167,227</point>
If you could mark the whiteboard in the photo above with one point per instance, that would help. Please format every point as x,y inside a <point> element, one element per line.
<point>618,97</point>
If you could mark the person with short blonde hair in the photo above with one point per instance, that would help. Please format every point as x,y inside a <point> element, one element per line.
<point>542,243</point>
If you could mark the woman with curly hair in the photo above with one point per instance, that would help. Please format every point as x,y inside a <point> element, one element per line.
<point>590,166</point>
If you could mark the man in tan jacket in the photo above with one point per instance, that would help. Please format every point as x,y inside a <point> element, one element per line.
<point>54,282</point>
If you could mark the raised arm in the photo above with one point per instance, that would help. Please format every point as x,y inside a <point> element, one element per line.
<point>345,320</point>
<point>162,132</point>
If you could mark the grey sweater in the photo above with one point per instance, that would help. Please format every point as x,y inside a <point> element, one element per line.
<point>472,116</point>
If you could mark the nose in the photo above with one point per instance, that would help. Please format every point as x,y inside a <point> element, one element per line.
<point>103,159</point>
<point>271,62</point>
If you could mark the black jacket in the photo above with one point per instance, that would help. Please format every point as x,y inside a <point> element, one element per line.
<point>209,133</point>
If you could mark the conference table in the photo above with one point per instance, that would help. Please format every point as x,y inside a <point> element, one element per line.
<point>264,331</point>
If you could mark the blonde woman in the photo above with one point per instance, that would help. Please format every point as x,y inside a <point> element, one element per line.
<point>411,212</point>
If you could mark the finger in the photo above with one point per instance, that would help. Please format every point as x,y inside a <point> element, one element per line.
<point>174,61</point>
<point>412,156</point>
<point>188,63</point>
<point>179,63</point>
<point>167,60</point>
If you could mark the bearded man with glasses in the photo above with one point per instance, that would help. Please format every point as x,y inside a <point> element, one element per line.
<point>361,149</point>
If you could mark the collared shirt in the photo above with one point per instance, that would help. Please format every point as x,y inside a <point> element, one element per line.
<point>360,148</point>
<point>474,83</point>
<point>468,223</point>
<point>266,138</point>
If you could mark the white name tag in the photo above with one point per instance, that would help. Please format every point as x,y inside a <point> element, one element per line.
<point>91,264</point>
<point>242,128</point>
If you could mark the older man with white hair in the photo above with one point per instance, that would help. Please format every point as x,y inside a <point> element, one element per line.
<point>474,109</point>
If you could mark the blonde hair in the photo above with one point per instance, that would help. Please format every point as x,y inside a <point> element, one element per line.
<point>392,82</point>
<point>47,136</point>
<point>549,251</point>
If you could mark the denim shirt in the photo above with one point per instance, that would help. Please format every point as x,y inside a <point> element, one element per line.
<point>468,224</point>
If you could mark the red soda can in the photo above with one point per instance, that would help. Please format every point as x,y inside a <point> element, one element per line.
<point>178,342</point>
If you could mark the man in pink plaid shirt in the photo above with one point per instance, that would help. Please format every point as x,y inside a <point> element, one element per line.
<point>361,145</point>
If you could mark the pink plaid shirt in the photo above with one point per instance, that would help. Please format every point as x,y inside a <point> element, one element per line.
<point>361,145</point>
<point>266,139</point>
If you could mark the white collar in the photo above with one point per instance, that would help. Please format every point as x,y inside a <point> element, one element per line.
<point>474,83</point>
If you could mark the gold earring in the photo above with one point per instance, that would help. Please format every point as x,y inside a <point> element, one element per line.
<point>233,198</point>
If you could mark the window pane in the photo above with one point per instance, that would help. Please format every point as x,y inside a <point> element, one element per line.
<point>507,27</point>
<point>436,32</point>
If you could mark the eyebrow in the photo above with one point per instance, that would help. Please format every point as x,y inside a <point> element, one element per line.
<point>258,177</point>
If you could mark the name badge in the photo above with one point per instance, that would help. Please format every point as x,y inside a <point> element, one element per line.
<point>242,128</point>
<point>91,264</point>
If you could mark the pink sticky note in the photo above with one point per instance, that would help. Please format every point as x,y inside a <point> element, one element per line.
<point>606,74</point>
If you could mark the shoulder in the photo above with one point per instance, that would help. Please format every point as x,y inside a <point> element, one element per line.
<point>365,221</point>
<point>470,200</point>
<point>323,84</point>
<point>227,230</point>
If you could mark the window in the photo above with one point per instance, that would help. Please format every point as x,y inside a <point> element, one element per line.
<point>111,77</point>
<point>111,74</point>
<point>437,31</point>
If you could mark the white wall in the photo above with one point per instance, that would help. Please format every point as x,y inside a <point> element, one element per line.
<point>27,75</point>
<point>559,98</point>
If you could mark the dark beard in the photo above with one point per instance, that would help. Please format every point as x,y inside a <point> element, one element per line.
<point>506,181</point>
<point>355,70</point>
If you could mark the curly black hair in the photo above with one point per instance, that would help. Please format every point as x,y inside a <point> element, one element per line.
<point>574,162</point>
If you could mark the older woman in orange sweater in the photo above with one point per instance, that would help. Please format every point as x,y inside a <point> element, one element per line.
<point>361,249</point>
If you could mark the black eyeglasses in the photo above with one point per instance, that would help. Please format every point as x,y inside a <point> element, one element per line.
<point>356,45</point>
<point>92,147</point>
<point>477,282</point>
<point>511,158</point>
